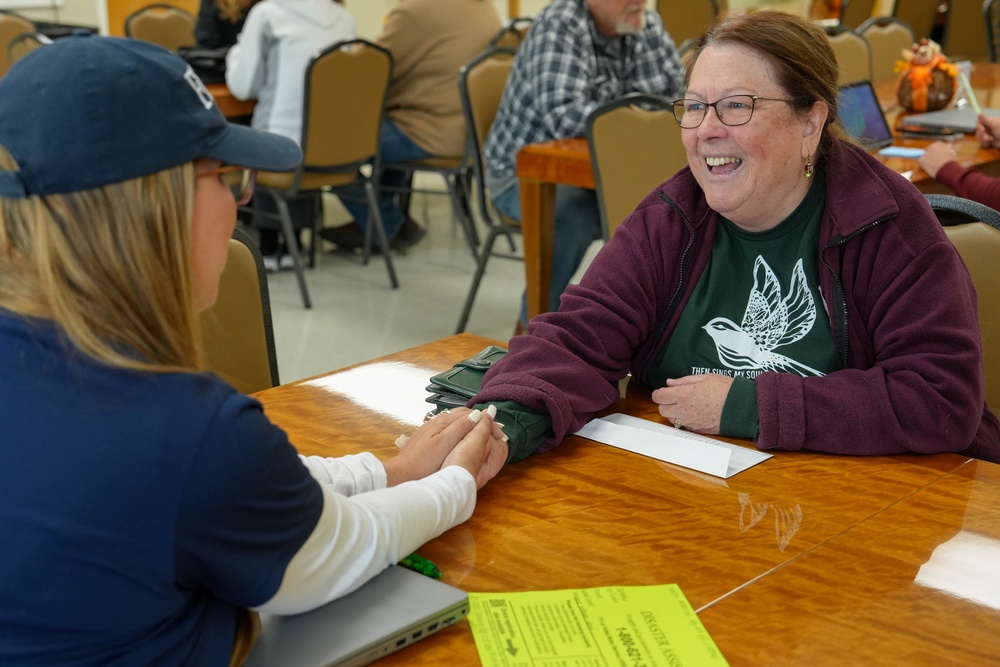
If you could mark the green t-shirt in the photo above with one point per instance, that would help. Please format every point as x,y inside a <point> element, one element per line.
<point>756,308</point>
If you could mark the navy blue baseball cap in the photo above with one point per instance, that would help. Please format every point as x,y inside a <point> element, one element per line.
<point>88,111</point>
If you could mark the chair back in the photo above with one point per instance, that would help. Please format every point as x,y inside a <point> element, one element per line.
<point>11,26</point>
<point>991,17</point>
<point>481,82</point>
<point>855,12</point>
<point>331,151</point>
<point>24,44</point>
<point>635,145</point>
<point>237,332</point>
<point>686,19</point>
<point>920,15</point>
<point>854,56</point>
<point>975,231</point>
<point>170,27</point>
<point>887,37</point>
<point>965,35</point>
<point>512,33</point>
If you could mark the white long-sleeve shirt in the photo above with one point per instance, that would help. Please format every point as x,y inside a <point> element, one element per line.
<point>365,527</point>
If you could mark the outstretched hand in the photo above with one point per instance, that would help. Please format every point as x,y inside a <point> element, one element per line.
<point>988,131</point>
<point>694,402</point>
<point>455,437</point>
<point>935,156</point>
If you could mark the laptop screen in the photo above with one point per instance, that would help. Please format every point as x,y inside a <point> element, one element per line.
<point>862,116</point>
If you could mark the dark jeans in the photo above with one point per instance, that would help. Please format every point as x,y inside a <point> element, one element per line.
<point>394,146</point>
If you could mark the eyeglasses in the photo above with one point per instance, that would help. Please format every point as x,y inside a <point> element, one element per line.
<point>732,111</point>
<point>241,180</point>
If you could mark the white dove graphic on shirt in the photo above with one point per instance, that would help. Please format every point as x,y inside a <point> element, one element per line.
<point>768,323</point>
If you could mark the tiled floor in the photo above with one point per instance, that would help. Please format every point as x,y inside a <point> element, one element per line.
<point>356,316</point>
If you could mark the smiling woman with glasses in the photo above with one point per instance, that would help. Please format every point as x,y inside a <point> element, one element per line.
<point>785,287</point>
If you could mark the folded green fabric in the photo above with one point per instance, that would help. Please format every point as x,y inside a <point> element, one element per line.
<point>455,386</point>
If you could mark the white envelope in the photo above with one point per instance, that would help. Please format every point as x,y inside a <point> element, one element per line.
<point>672,445</point>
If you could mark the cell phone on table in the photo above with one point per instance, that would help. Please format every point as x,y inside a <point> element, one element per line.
<point>921,132</point>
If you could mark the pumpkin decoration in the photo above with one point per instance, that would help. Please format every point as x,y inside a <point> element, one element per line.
<point>927,78</point>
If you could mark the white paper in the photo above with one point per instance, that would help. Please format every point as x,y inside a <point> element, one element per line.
<point>672,445</point>
<point>901,151</point>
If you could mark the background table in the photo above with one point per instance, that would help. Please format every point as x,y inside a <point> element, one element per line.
<point>543,166</point>
<point>229,105</point>
<point>805,559</point>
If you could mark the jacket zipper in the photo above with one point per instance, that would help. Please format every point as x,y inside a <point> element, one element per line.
<point>661,325</point>
<point>840,302</point>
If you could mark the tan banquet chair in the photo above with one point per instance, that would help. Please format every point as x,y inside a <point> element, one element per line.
<point>635,145</point>
<point>512,33</point>
<point>991,17</point>
<point>11,26</point>
<point>855,12</point>
<point>24,44</point>
<point>236,332</point>
<point>480,86</point>
<point>170,27</point>
<point>975,231</point>
<point>854,56</point>
<point>920,15</point>
<point>686,19</point>
<point>340,140</point>
<point>887,37</point>
<point>965,35</point>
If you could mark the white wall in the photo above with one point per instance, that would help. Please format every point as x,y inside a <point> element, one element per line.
<point>76,12</point>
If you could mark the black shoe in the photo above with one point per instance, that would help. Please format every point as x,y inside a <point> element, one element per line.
<point>348,237</point>
<point>408,236</point>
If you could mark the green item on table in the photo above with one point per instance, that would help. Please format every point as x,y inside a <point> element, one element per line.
<point>421,565</point>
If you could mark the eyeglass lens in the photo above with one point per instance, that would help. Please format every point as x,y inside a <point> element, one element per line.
<point>241,180</point>
<point>732,110</point>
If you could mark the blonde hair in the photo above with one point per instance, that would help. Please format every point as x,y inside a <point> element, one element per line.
<point>111,267</point>
<point>231,10</point>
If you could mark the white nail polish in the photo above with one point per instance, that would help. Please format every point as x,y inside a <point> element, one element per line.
<point>475,416</point>
<point>492,411</point>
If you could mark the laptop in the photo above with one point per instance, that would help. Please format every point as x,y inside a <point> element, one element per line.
<point>393,610</point>
<point>862,115</point>
<point>958,120</point>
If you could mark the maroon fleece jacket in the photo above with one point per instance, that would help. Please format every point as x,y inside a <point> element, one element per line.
<point>901,305</point>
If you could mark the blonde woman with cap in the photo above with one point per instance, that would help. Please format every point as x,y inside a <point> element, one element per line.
<point>145,505</point>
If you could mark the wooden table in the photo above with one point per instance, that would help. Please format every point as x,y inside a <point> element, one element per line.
<point>229,105</point>
<point>542,166</point>
<point>805,559</point>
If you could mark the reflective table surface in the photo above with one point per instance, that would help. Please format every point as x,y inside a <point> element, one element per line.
<point>804,559</point>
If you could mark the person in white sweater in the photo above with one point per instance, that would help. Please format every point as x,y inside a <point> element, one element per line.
<point>268,64</point>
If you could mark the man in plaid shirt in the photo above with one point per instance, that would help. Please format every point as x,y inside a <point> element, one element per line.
<point>577,55</point>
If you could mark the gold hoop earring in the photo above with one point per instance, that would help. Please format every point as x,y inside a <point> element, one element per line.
<point>809,169</point>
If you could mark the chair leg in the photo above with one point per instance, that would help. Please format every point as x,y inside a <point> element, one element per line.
<point>460,204</point>
<point>375,220</point>
<point>406,197</point>
<point>285,219</point>
<point>463,319</point>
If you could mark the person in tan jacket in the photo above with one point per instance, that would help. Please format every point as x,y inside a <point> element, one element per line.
<point>429,40</point>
